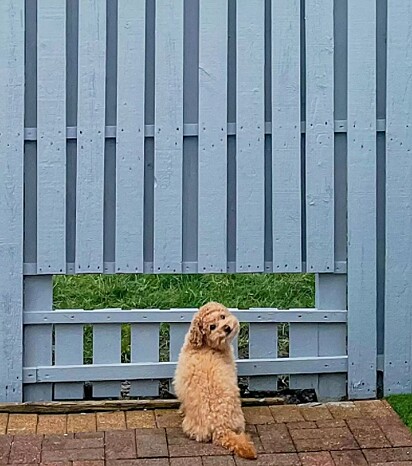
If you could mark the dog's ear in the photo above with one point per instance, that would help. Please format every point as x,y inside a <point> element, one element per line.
<point>196,334</point>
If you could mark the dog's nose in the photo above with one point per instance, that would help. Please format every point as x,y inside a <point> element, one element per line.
<point>227,329</point>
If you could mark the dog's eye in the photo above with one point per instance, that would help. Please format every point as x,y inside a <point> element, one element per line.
<point>223,317</point>
<point>212,327</point>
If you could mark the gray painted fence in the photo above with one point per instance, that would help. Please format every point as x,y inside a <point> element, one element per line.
<point>199,136</point>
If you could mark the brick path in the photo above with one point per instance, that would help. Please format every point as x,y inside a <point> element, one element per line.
<point>338,434</point>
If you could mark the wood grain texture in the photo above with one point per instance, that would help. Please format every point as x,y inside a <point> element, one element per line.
<point>250,142</point>
<point>319,136</point>
<point>362,338</point>
<point>130,136</point>
<point>11,197</point>
<point>51,136</point>
<point>168,145</point>
<point>90,136</point>
<point>398,321</point>
<point>212,231</point>
<point>286,136</point>
<point>38,340</point>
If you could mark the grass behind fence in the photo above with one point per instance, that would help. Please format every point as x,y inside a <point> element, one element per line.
<point>182,291</point>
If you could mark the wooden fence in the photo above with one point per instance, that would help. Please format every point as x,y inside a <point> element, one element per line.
<point>200,136</point>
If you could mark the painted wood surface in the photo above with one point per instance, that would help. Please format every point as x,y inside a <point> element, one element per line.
<point>90,136</point>
<point>11,197</point>
<point>362,188</point>
<point>212,134</point>
<point>319,136</point>
<point>130,136</point>
<point>168,141</point>
<point>51,136</point>
<point>286,136</point>
<point>398,290</point>
<point>250,143</point>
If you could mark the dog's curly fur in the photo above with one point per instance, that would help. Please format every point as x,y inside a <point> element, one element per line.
<point>206,382</point>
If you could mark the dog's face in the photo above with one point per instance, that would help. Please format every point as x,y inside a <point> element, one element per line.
<point>213,326</point>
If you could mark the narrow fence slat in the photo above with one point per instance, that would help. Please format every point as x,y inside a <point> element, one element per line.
<point>303,342</point>
<point>263,343</point>
<point>319,136</point>
<point>68,350</point>
<point>250,136</point>
<point>286,136</point>
<point>107,349</point>
<point>212,214</point>
<point>130,135</point>
<point>38,342</point>
<point>398,321</point>
<point>176,340</point>
<point>168,136</point>
<point>11,197</point>
<point>51,136</point>
<point>362,337</point>
<point>90,136</point>
<point>331,291</point>
<point>145,348</point>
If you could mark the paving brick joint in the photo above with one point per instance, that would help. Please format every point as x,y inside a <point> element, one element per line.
<point>336,434</point>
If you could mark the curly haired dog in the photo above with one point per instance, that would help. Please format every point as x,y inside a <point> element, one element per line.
<point>206,382</point>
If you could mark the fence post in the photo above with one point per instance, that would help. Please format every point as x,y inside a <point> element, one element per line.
<point>11,197</point>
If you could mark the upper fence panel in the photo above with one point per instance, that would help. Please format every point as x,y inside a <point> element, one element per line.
<point>193,137</point>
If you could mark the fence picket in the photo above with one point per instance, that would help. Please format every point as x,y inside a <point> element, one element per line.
<point>11,197</point>
<point>168,161</point>
<point>212,229</point>
<point>107,349</point>
<point>250,136</point>
<point>286,136</point>
<point>145,348</point>
<point>51,136</point>
<point>319,136</point>
<point>90,136</point>
<point>362,338</point>
<point>130,136</point>
<point>398,321</point>
<point>68,350</point>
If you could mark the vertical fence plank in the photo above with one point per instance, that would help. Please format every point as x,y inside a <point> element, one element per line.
<point>168,136</point>
<point>319,136</point>
<point>145,348</point>
<point>51,136</point>
<point>107,349</point>
<point>11,197</point>
<point>37,343</point>
<point>177,338</point>
<point>286,136</point>
<point>90,136</point>
<point>304,342</point>
<point>212,214</point>
<point>263,343</point>
<point>130,135</point>
<point>250,136</point>
<point>331,294</point>
<point>68,350</point>
<point>398,322</point>
<point>362,341</point>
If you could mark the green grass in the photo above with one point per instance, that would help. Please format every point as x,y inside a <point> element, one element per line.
<point>402,404</point>
<point>182,291</point>
<point>166,291</point>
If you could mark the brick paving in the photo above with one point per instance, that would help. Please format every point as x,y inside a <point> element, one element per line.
<point>333,434</point>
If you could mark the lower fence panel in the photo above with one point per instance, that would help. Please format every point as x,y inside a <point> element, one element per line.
<point>146,351</point>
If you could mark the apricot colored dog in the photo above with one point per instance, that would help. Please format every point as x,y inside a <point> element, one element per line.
<point>206,382</point>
